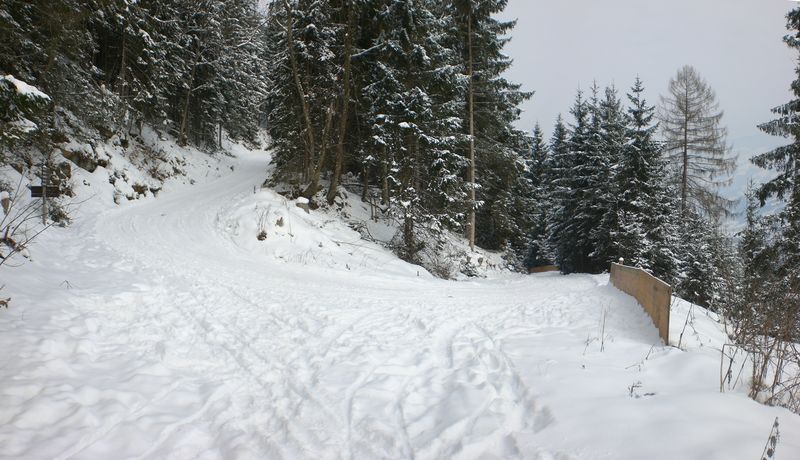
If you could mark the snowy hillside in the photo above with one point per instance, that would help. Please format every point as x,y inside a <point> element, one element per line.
<point>165,328</point>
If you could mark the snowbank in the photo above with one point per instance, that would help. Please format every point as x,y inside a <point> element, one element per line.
<point>167,328</point>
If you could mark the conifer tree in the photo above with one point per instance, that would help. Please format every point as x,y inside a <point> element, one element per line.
<point>46,45</point>
<point>695,143</point>
<point>587,186</point>
<point>491,107</point>
<point>302,68</point>
<point>605,186</point>
<point>785,161</point>
<point>646,230</point>
<point>556,192</point>
<point>538,176</point>
<point>697,273</point>
<point>23,113</point>
<point>569,185</point>
<point>414,119</point>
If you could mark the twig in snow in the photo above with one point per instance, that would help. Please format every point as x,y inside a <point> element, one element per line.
<point>688,314</point>
<point>603,330</point>
<point>772,442</point>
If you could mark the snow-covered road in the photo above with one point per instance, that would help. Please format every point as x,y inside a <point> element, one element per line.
<point>149,331</point>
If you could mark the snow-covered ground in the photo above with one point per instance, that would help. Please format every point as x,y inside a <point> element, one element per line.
<point>164,328</point>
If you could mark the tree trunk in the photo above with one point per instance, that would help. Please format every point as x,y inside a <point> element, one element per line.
<point>417,181</point>
<point>365,181</point>
<point>385,179</point>
<point>310,141</point>
<point>471,178</point>
<point>313,184</point>
<point>183,138</point>
<point>409,178</point>
<point>685,172</point>
<point>337,170</point>
<point>122,67</point>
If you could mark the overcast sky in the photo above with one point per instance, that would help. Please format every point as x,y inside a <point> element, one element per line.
<point>736,45</point>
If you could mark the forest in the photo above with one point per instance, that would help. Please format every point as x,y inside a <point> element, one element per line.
<point>406,102</point>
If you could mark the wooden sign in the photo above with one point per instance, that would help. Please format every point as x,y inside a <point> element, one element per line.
<point>37,191</point>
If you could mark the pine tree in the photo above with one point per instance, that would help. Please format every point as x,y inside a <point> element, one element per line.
<point>45,44</point>
<point>491,107</point>
<point>413,120</point>
<point>302,68</point>
<point>697,274</point>
<point>538,175</point>
<point>588,196</point>
<point>23,113</point>
<point>755,246</point>
<point>646,230</point>
<point>606,188</point>
<point>556,192</point>
<point>567,235</point>
<point>785,161</point>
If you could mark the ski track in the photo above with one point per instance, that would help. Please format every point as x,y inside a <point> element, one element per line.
<point>214,353</point>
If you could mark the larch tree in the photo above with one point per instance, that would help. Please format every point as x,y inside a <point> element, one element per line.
<point>695,143</point>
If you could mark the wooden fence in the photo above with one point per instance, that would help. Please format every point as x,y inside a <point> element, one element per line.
<point>543,269</point>
<point>652,294</point>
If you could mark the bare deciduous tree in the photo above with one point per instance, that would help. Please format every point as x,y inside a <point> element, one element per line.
<point>695,143</point>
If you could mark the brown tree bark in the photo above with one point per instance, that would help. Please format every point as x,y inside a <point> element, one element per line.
<point>313,184</point>
<point>310,141</point>
<point>183,137</point>
<point>337,169</point>
<point>471,177</point>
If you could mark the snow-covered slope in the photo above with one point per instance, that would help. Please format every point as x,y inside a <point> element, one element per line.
<point>164,328</point>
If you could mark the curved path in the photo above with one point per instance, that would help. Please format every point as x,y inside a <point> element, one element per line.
<point>170,341</point>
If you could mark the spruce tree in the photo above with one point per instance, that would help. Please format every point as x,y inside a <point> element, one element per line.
<point>410,103</point>
<point>538,175</point>
<point>491,106</point>
<point>301,40</point>
<point>785,161</point>
<point>646,235</point>
<point>605,185</point>
<point>569,189</point>
<point>556,192</point>
<point>697,274</point>
<point>23,114</point>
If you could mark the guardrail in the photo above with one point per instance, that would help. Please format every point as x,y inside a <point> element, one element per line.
<point>652,294</point>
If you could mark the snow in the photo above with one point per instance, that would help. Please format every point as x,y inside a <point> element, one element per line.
<point>24,89</point>
<point>163,327</point>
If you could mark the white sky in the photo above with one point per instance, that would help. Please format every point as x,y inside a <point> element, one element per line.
<point>736,45</point>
